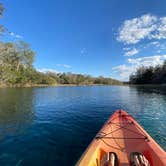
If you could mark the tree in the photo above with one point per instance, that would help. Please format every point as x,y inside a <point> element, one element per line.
<point>150,75</point>
<point>16,59</point>
<point>25,56</point>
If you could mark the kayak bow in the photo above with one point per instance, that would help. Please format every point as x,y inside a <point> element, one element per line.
<point>122,135</point>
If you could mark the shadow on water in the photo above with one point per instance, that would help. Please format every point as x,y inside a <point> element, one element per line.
<point>157,89</point>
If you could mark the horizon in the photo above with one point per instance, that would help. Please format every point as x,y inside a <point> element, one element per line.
<point>108,38</point>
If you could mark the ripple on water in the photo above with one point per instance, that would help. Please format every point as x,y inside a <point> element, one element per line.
<point>53,126</point>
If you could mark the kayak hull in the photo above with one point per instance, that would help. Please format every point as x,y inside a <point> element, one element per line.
<point>123,135</point>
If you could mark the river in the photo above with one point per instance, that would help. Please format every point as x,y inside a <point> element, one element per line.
<point>53,126</point>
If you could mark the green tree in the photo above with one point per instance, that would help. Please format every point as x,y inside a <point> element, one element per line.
<point>15,60</point>
<point>150,75</point>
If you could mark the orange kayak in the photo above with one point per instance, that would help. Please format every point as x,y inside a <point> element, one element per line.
<point>122,135</point>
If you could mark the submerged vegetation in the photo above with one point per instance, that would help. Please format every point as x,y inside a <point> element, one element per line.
<point>150,75</point>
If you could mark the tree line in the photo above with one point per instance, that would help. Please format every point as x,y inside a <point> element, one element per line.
<point>16,68</point>
<point>80,79</point>
<point>150,75</point>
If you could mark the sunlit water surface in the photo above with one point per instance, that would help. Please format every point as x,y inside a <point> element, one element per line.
<point>53,126</point>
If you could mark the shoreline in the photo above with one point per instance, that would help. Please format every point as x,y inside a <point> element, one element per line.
<point>54,85</point>
<point>70,85</point>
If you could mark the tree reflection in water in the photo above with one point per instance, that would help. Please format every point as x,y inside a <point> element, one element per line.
<point>16,110</point>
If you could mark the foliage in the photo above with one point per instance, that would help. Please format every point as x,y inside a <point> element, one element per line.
<point>16,61</point>
<point>79,79</point>
<point>150,75</point>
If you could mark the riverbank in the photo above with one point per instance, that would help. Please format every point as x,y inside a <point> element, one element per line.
<point>63,85</point>
<point>51,85</point>
<point>24,85</point>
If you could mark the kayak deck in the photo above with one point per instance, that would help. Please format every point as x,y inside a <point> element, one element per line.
<point>123,135</point>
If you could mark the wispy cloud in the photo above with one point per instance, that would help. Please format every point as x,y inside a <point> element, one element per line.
<point>15,35</point>
<point>125,71</point>
<point>145,27</point>
<point>64,65</point>
<point>131,52</point>
<point>126,48</point>
<point>83,51</point>
<point>161,29</point>
<point>147,61</point>
<point>155,43</point>
<point>45,70</point>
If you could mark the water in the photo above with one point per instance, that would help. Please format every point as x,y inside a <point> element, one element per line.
<point>53,126</point>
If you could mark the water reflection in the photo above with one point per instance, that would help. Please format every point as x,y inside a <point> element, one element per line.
<point>157,89</point>
<point>16,110</point>
<point>153,110</point>
<point>53,126</point>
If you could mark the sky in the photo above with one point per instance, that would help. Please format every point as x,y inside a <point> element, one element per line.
<point>111,38</point>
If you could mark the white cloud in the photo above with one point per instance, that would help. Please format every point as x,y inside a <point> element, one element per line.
<point>64,65</point>
<point>145,27</point>
<point>161,29</point>
<point>131,52</point>
<point>132,31</point>
<point>148,61</point>
<point>155,43</point>
<point>125,71</point>
<point>15,35</point>
<point>45,70</point>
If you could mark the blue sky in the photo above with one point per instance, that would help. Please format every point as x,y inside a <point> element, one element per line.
<point>97,37</point>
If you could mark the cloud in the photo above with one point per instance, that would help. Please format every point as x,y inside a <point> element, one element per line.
<point>132,31</point>
<point>83,51</point>
<point>126,48</point>
<point>125,71</point>
<point>145,27</point>
<point>147,61</point>
<point>161,29</point>
<point>155,43</point>
<point>157,46</point>
<point>131,52</point>
<point>64,65</point>
<point>15,35</point>
<point>45,70</point>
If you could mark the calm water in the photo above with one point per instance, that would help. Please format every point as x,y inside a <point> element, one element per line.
<point>53,126</point>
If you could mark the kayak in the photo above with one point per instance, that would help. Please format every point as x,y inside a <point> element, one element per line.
<point>122,135</point>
